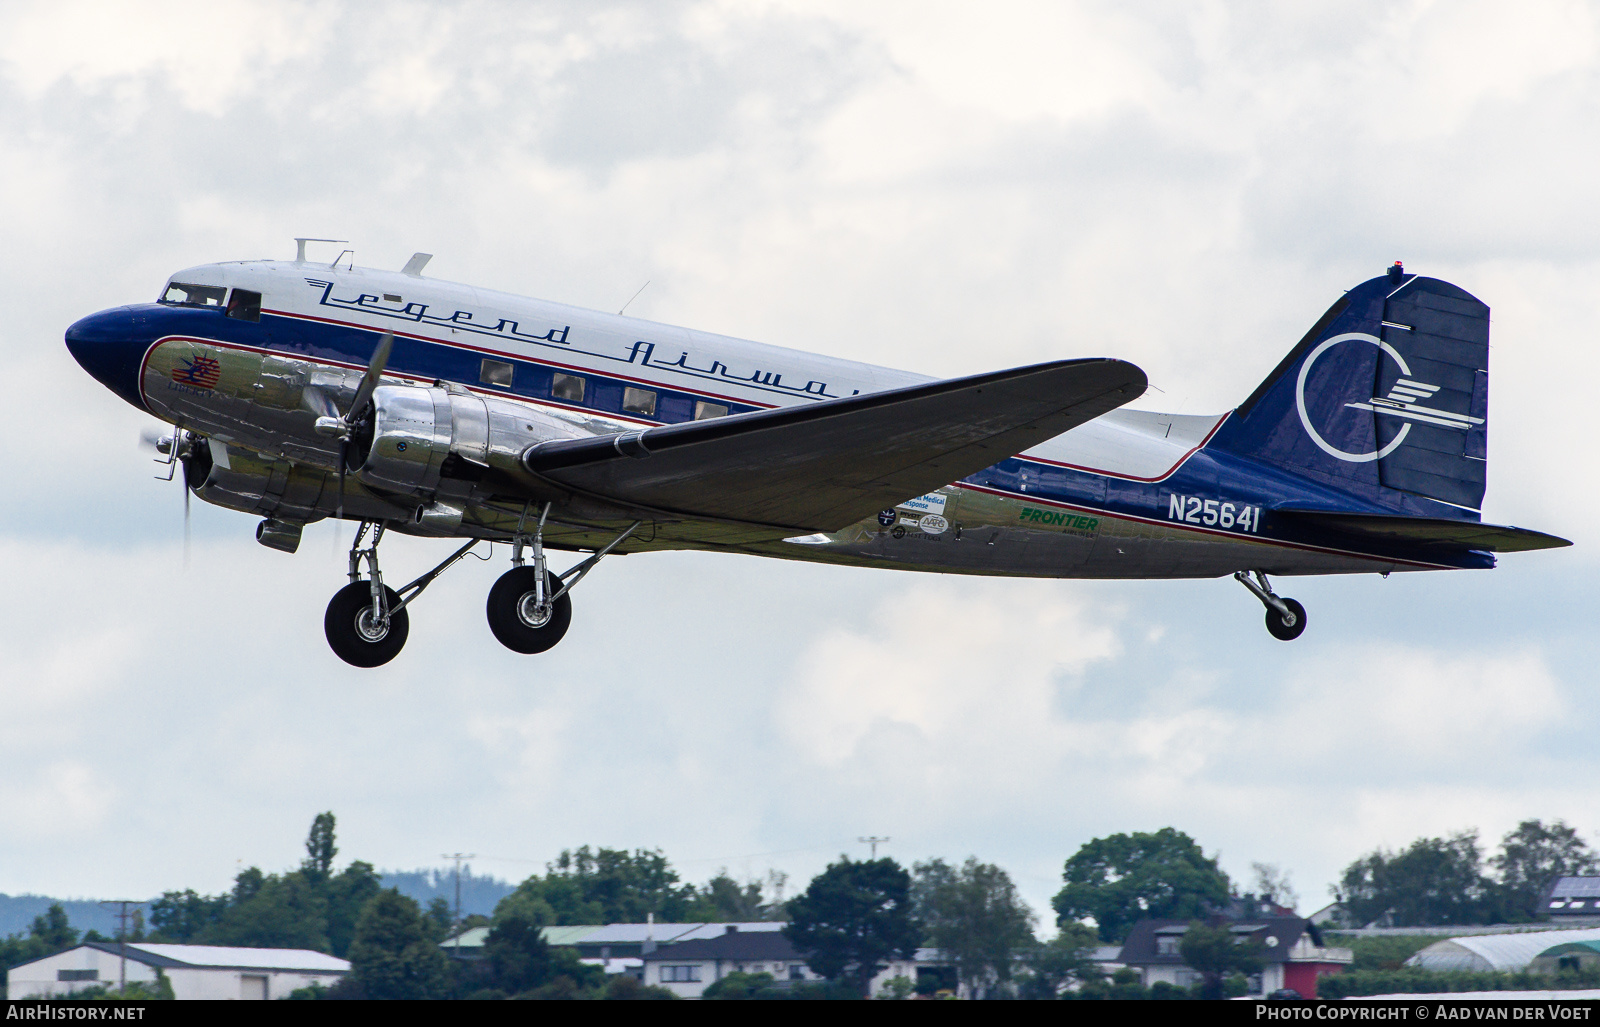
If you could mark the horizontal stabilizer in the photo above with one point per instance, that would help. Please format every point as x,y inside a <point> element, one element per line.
<point>1441,531</point>
<point>824,466</point>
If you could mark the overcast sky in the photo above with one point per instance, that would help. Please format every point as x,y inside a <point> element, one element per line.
<point>946,188</point>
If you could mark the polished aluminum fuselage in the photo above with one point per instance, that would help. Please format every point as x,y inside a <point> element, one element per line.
<point>1107,499</point>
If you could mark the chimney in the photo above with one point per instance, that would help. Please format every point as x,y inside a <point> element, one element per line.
<point>732,929</point>
<point>649,945</point>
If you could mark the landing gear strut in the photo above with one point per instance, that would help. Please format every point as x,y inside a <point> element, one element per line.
<point>367,622</point>
<point>529,608</point>
<point>1286,619</point>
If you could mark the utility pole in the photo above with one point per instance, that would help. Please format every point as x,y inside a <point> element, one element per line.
<point>873,841</point>
<point>458,857</point>
<point>122,937</point>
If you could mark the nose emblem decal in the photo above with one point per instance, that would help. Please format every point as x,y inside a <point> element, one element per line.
<point>199,373</point>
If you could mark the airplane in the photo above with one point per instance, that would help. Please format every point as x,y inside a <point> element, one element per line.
<point>300,390</point>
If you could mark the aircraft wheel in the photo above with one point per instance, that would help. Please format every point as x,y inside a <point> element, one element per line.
<point>352,632</point>
<point>515,619</point>
<point>1287,632</point>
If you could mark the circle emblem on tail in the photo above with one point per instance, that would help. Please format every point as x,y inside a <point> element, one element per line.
<point>1300,398</point>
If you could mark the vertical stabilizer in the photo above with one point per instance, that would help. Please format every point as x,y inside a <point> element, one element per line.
<point>1387,395</point>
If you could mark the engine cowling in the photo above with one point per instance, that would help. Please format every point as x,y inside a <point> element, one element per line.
<point>403,445</point>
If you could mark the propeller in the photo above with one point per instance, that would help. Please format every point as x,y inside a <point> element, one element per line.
<point>176,450</point>
<point>341,426</point>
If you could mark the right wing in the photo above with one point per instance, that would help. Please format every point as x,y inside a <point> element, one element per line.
<point>823,466</point>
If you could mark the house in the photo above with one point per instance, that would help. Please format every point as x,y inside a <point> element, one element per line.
<point>1573,899</point>
<point>688,968</point>
<point>195,971</point>
<point>616,947</point>
<point>1293,954</point>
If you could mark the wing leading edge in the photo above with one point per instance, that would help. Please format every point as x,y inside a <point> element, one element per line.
<point>824,466</point>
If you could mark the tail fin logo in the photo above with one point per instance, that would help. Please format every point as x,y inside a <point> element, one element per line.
<point>1406,400</point>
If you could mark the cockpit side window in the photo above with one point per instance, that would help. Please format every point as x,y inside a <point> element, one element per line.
<point>185,295</point>
<point>245,305</point>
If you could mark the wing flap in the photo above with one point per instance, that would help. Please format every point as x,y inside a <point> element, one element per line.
<point>1439,531</point>
<point>823,466</point>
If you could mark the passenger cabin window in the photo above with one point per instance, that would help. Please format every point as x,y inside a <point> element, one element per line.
<point>568,387</point>
<point>245,305</point>
<point>496,372</point>
<point>704,410</point>
<point>185,295</point>
<point>639,401</point>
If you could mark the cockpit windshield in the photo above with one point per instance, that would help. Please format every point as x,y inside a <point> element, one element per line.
<point>186,295</point>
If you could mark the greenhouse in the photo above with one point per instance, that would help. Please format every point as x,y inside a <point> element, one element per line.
<point>1499,952</point>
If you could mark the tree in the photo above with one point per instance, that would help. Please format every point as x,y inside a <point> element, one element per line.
<point>741,986</point>
<point>1433,882</point>
<point>392,956</point>
<point>1273,885</point>
<point>1125,877</point>
<point>723,898</point>
<point>348,893</point>
<point>52,930</point>
<point>974,915</point>
<point>625,987</point>
<point>600,886</point>
<point>1530,859</point>
<point>852,917</point>
<point>287,912</point>
<point>1214,952</point>
<point>518,957</point>
<point>320,849</point>
<point>1055,965</point>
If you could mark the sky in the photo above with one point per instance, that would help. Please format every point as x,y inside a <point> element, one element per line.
<point>946,188</point>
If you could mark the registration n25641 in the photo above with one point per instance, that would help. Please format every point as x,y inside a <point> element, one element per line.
<point>1214,513</point>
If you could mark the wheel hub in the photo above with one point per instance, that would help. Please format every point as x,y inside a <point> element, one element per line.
<point>370,626</point>
<point>531,612</point>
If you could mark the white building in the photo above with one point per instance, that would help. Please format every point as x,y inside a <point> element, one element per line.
<point>196,971</point>
<point>688,968</point>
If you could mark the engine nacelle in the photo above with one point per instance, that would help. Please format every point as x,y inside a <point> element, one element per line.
<point>411,432</point>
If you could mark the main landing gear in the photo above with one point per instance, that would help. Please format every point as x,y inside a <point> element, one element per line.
<point>529,608</point>
<point>1286,619</point>
<point>367,622</point>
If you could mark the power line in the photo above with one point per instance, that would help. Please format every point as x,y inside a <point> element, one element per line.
<point>458,857</point>
<point>122,937</point>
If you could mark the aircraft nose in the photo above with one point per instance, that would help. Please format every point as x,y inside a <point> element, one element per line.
<point>110,345</point>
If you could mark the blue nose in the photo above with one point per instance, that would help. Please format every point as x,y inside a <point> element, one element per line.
<point>111,346</point>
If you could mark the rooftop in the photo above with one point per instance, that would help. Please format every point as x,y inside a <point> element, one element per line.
<point>220,957</point>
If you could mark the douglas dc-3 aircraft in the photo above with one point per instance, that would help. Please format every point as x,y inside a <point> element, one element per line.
<point>301,390</point>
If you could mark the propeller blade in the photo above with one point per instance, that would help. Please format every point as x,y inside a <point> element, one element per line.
<point>369,381</point>
<point>344,446</point>
<point>149,438</point>
<point>186,522</point>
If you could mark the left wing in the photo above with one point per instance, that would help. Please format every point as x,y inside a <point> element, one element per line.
<point>823,466</point>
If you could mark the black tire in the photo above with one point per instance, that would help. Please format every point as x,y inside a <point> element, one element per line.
<point>1287,632</point>
<point>345,635</point>
<point>507,612</point>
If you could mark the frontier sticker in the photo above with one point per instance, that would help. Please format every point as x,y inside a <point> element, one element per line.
<point>1072,524</point>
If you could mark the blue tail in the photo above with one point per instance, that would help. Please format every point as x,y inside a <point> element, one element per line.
<point>1387,396</point>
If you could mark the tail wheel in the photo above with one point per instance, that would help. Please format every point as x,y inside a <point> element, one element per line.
<point>354,631</point>
<point>516,618</point>
<point>1287,632</point>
